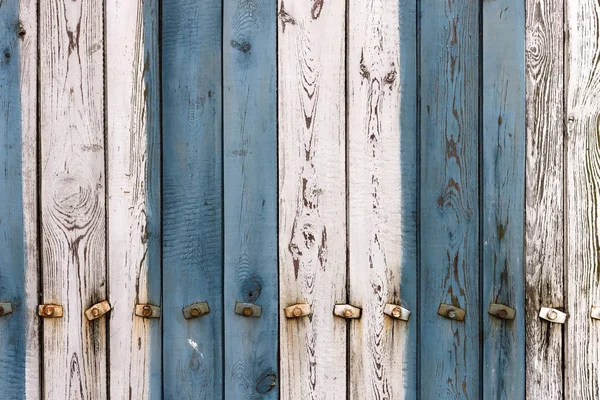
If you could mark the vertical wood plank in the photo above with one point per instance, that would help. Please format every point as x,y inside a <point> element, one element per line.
<point>382,363</point>
<point>192,197</point>
<point>312,192</point>
<point>449,67</point>
<point>503,181</point>
<point>73,196</point>
<point>582,359</point>
<point>250,197</point>
<point>19,353</point>
<point>133,168</point>
<point>544,196</point>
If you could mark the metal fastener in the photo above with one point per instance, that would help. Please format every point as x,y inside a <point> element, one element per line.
<point>147,311</point>
<point>397,312</point>
<point>247,309</point>
<point>97,310</point>
<point>595,313</point>
<point>501,311</point>
<point>297,310</point>
<point>50,310</point>
<point>5,308</point>
<point>346,311</point>
<point>451,312</point>
<point>196,310</point>
<point>553,315</point>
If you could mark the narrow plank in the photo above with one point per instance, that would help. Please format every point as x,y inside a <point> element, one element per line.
<point>73,196</point>
<point>544,196</point>
<point>381,366</point>
<point>312,192</point>
<point>582,340</point>
<point>133,168</point>
<point>503,169</point>
<point>19,362</point>
<point>449,198</point>
<point>250,197</point>
<point>192,197</point>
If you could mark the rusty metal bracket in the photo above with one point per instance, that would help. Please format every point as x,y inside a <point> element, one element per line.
<point>553,315</point>
<point>50,310</point>
<point>147,311</point>
<point>297,311</point>
<point>501,311</point>
<point>346,311</point>
<point>196,310</point>
<point>595,313</point>
<point>247,309</point>
<point>97,310</point>
<point>397,312</point>
<point>451,312</point>
<point>5,308</point>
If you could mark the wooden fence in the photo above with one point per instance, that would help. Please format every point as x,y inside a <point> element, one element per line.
<point>299,199</point>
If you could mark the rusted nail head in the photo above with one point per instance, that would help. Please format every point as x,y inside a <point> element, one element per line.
<point>502,313</point>
<point>95,312</point>
<point>397,312</point>
<point>195,311</point>
<point>452,314</point>
<point>297,312</point>
<point>247,311</point>
<point>48,310</point>
<point>552,314</point>
<point>146,311</point>
<point>347,313</point>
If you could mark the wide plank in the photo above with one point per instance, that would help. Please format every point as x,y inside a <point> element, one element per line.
<point>73,196</point>
<point>449,215</point>
<point>250,197</point>
<point>544,196</point>
<point>382,363</point>
<point>192,197</point>
<point>312,194</point>
<point>503,184</point>
<point>133,203</point>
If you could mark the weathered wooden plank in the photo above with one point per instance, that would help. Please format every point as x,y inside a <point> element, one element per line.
<point>312,192</point>
<point>250,197</point>
<point>73,196</point>
<point>449,67</point>
<point>503,180</point>
<point>192,197</point>
<point>133,165</point>
<point>19,353</point>
<point>544,196</point>
<point>582,339</point>
<point>381,365</point>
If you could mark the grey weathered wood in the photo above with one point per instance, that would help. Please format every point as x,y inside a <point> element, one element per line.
<point>73,196</point>
<point>582,86</point>
<point>312,191</point>
<point>133,205</point>
<point>544,192</point>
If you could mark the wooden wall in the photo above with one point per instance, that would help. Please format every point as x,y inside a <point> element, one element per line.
<point>223,163</point>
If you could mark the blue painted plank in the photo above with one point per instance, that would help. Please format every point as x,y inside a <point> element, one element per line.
<point>192,197</point>
<point>250,197</point>
<point>503,169</point>
<point>449,68</point>
<point>12,251</point>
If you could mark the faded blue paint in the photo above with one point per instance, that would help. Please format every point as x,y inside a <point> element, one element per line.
<point>12,249</point>
<point>503,182</point>
<point>192,198</point>
<point>250,197</point>
<point>449,70</point>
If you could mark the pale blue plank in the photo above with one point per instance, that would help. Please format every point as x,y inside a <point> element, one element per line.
<point>250,190</point>
<point>449,69</point>
<point>192,198</point>
<point>502,209</point>
<point>12,259</point>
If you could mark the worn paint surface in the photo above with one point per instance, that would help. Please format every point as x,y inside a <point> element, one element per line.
<point>250,197</point>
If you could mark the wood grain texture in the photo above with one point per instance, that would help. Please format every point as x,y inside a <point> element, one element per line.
<point>582,341</point>
<point>449,198</point>
<point>503,180</point>
<point>19,362</point>
<point>192,197</point>
<point>133,168</point>
<point>544,197</point>
<point>312,192</point>
<point>73,196</point>
<point>380,362</point>
<point>250,197</point>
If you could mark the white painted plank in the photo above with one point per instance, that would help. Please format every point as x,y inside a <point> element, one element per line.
<point>312,217</point>
<point>73,196</point>
<point>377,342</point>
<point>133,196</point>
